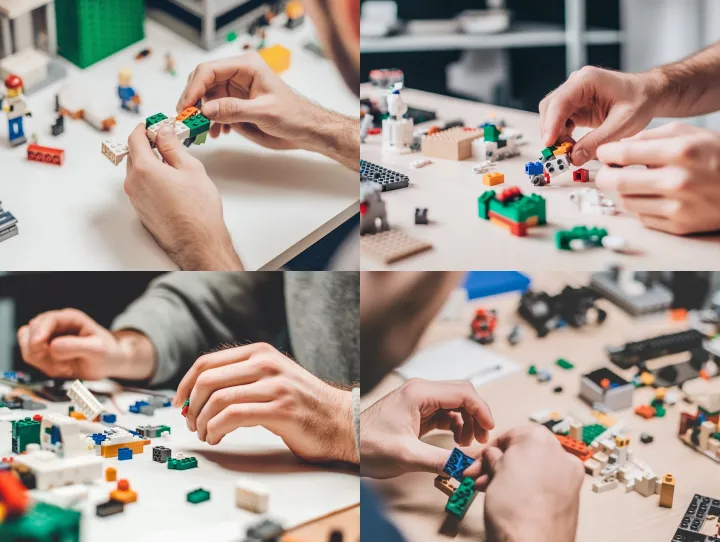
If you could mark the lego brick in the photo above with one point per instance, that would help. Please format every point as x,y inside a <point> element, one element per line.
<point>392,246</point>
<point>198,124</point>
<point>493,179</point>
<point>152,120</point>
<point>115,151</point>
<point>187,113</point>
<point>386,178</point>
<point>48,155</point>
<point>452,144</point>
<point>13,494</point>
<point>277,57</point>
<point>533,168</point>
<point>444,485</point>
<point>421,216</point>
<point>24,432</point>
<point>632,353</point>
<point>581,175</point>
<point>617,395</point>
<point>547,152</point>
<point>251,496</point>
<point>198,495</point>
<point>84,401</point>
<point>592,432</point>
<point>667,491</point>
<point>161,454</point>
<point>110,474</point>
<point>49,471</point>
<point>124,454</point>
<point>109,508</point>
<point>512,205</point>
<point>264,530</point>
<point>182,464</point>
<point>43,522</point>
<point>460,501</point>
<point>557,165</point>
<point>564,364</point>
<point>699,521</point>
<point>588,236</point>
<point>153,130</point>
<point>185,407</point>
<point>456,464</point>
<point>575,447</point>
<point>123,493</point>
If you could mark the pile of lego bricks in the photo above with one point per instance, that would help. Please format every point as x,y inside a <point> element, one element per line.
<point>512,210</point>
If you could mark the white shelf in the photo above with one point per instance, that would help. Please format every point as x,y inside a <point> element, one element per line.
<point>521,34</point>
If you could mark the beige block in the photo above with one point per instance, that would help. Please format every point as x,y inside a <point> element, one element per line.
<point>392,246</point>
<point>444,485</point>
<point>600,486</point>
<point>251,496</point>
<point>645,485</point>
<point>576,430</point>
<point>707,429</point>
<point>667,491</point>
<point>592,467</point>
<point>602,458</point>
<point>452,144</point>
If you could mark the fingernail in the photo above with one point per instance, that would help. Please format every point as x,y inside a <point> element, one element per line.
<point>211,109</point>
<point>580,156</point>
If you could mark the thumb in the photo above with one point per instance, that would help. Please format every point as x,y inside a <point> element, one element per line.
<point>171,148</point>
<point>614,128</point>
<point>491,458</point>
<point>425,457</point>
<point>231,110</point>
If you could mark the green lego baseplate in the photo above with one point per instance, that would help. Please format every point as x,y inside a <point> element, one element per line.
<point>460,501</point>
<point>520,210</point>
<point>42,523</point>
<point>91,30</point>
<point>182,464</point>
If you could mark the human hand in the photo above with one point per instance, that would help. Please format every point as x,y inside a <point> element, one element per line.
<point>390,430</point>
<point>244,94</point>
<point>614,104</point>
<point>178,203</point>
<point>534,487</point>
<point>679,191</point>
<point>257,385</point>
<point>69,344</point>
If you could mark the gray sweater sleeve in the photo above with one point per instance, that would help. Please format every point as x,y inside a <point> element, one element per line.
<point>186,314</point>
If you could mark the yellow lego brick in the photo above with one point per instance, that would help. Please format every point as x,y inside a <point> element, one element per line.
<point>137,447</point>
<point>277,57</point>
<point>493,179</point>
<point>563,148</point>
<point>187,113</point>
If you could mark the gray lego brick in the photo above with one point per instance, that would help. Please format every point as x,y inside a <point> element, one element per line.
<point>386,178</point>
<point>656,298</point>
<point>8,233</point>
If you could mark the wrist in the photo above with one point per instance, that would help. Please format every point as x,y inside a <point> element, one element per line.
<point>344,427</point>
<point>657,91</point>
<point>134,357</point>
<point>217,254</point>
<point>335,136</point>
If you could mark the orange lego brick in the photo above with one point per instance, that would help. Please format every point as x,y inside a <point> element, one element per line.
<point>494,178</point>
<point>36,153</point>
<point>277,57</point>
<point>77,415</point>
<point>678,315</point>
<point>645,411</point>
<point>294,9</point>
<point>137,447</point>
<point>123,493</point>
<point>563,148</point>
<point>110,474</point>
<point>577,448</point>
<point>187,113</point>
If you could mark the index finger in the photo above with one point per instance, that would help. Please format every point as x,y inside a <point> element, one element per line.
<point>559,108</point>
<point>48,324</point>
<point>141,153</point>
<point>650,152</point>
<point>207,75</point>
<point>212,361</point>
<point>454,396</point>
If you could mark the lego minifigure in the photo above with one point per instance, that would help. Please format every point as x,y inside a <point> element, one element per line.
<point>16,108</point>
<point>129,99</point>
<point>170,64</point>
<point>397,130</point>
<point>482,328</point>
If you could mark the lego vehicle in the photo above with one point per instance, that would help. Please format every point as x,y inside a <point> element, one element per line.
<point>482,328</point>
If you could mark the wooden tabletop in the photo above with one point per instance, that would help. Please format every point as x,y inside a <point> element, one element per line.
<point>615,516</point>
<point>462,241</point>
<point>347,521</point>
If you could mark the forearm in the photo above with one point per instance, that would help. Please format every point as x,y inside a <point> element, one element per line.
<point>136,358</point>
<point>561,528</point>
<point>688,87</point>
<point>211,254</point>
<point>336,136</point>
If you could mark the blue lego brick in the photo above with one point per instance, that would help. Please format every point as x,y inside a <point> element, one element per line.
<point>55,436</point>
<point>486,283</point>
<point>124,454</point>
<point>98,438</point>
<point>457,464</point>
<point>109,418</point>
<point>533,168</point>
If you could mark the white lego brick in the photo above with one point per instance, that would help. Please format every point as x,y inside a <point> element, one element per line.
<point>645,485</point>
<point>601,486</point>
<point>29,64</point>
<point>541,416</point>
<point>84,401</point>
<point>557,165</point>
<point>251,496</point>
<point>182,131</point>
<point>592,467</point>
<point>64,497</point>
<point>152,132</point>
<point>115,151</point>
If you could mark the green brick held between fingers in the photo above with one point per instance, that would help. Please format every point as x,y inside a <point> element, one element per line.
<point>154,119</point>
<point>460,501</point>
<point>198,124</point>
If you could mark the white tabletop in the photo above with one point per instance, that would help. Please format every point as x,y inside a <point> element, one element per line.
<point>450,189</point>
<point>77,217</point>
<point>162,509</point>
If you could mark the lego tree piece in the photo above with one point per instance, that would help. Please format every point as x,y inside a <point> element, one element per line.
<point>460,501</point>
<point>457,463</point>
<point>109,508</point>
<point>667,491</point>
<point>386,178</point>
<point>182,464</point>
<point>198,495</point>
<point>617,395</point>
<point>161,454</point>
<point>84,401</point>
<point>587,236</point>
<point>392,246</point>
<point>43,522</point>
<point>444,485</point>
<point>700,522</point>
<point>452,144</point>
<point>48,155</point>
<point>493,179</point>
<point>277,57</point>
<point>24,432</point>
<point>123,493</point>
<point>251,496</point>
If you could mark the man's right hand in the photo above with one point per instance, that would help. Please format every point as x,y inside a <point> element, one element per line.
<point>614,104</point>
<point>534,488</point>
<point>69,344</point>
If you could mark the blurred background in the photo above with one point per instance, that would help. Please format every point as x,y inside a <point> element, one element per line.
<point>519,51</point>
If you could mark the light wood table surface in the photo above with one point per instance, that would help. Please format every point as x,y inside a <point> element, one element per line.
<point>615,516</point>
<point>462,241</point>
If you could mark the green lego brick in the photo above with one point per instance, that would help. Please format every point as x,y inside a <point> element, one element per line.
<point>198,124</point>
<point>182,464</point>
<point>521,210</point>
<point>154,119</point>
<point>565,364</point>
<point>91,30</point>
<point>660,411</point>
<point>591,432</point>
<point>491,133</point>
<point>42,523</point>
<point>593,236</point>
<point>198,495</point>
<point>460,501</point>
<point>532,370</point>
<point>164,429</point>
<point>25,432</point>
<point>547,152</point>
<point>201,138</point>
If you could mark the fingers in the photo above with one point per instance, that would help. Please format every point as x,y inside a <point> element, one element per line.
<point>68,348</point>
<point>680,150</point>
<point>256,392</point>
<point>660,224</point>
<point>241,415</point>
<point>461,395</point>
<point>616,125</point>
<point>141,153</point>
<point>171,148</point>
<point>242,70</point>
<point>558,108</point>
<point>657,207</point>
<point>424,457</point>
<point>671,129</point>
<point>640,181</point>
<point>210,361</point>
<point>47,325</point>
<point>231,110</point>
<point>491,459</point>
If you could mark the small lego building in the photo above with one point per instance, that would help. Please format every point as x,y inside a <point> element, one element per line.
<point>84,401</point>
<point>493,179</point>
<point>702,431</point>
<point>512,210</point>
<point>421,216</point>
<point>15,106</point>
<point>482,328</point>
<point>129,99</point>
<point>24,432</point>
<point>606,388</point>
<point>496,144</point>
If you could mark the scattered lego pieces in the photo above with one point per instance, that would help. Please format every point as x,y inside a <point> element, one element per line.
<point>108,418</point>
<point>251,496</point>
<point>493,179</point>
<point>457,463</point>
<point>123,493</point>
<point>460,501</point>
<point>564,364</point>
<point>198,495</point>
<point>152,431</point>
<point>543,375</point>
<point>421,216</point>
<point>264,529</point>
<point>646,438</point>
<point>143,54</point>
<point>421,163</point>
<point>604,387</point>
<point>512,210</point>
<point>109,508</point>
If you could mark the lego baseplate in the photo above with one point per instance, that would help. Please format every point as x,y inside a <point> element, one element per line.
<point>701,522</point>
<point>386,178</point>
<point>392,246</point>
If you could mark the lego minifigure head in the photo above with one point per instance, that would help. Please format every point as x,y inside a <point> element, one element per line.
<point>125,77</point>
<point>14,86</point>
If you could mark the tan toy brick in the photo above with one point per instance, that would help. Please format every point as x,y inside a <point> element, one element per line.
<point>667,491</point>
<point>493,179</point>
<point>444,485</point>
<point>392,246</point>
<point>452,144</point>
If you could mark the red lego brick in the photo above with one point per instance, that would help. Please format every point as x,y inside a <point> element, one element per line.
<point>13,494</point>
<point>516,228</point>
<point>37,418</point>
<point>374,131</point>
<point>546,176</point>
<point>36,153</point>
<point>581,175</point>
